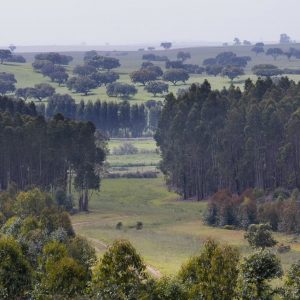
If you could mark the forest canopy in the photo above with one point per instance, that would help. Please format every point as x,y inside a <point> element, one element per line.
<point>229,139</point>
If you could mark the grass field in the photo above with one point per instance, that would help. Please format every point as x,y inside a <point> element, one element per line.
<point>135,162</point>
<point>132,61</point>
<point>173,229</point>
<point>172,232</point>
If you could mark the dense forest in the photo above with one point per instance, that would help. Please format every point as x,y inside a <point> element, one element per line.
<point>50,154</point>
<point>211,139</point>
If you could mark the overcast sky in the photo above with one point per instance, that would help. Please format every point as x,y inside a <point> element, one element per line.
<point>96,22</point>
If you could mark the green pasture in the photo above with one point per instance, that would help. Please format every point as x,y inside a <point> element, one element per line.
<point>144,158</point>
<point>172,232</point>
<point>132,61</point>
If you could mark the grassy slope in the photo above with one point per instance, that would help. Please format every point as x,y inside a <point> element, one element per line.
<point>26,77</point>
<point>173,229</point>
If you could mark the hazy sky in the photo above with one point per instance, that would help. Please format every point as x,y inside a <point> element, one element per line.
<point>96,22</point>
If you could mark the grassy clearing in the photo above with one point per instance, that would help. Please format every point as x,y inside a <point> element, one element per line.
<point>141,160</point>
<point>132,61</point>
<point>172,231</point>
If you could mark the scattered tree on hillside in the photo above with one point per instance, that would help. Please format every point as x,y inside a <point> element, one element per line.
<point>274,52</point>
<point>258,49</point>
<point>213,274</point>
<point>237,41</point>
<point>166,45</point>
<point>122,90</point>
<point>4,55</point>
<point>89,55</point>
<point>84,70</point>
<point>284,39</point>
<point>24,93</point>
<point>183,56</point>
<point>227,59</point>
<point>81,85</point>
<point>42,91</point>
<point>232,72</point>
<point>246,43</point>
<point>214,70</point>
<point>54,57</point>
<point>104,78</point>
<point>266,70</point>
<point>176,75</point>
<point>157,87</point>
<point>59,77</point>
<point>103,62</point>
<point>17,59</point>
<point>143,76</point>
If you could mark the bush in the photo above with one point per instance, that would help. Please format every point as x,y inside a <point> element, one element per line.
<point>229,227</point>
<point>119,226</point>
<point>139,226</point>
<point>125,149</point>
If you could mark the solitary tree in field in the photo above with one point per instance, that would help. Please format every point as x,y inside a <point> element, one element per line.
<point>175,75</point>
<point>166,45</point>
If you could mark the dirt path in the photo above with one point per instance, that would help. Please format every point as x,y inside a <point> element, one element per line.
<point>100,246</point>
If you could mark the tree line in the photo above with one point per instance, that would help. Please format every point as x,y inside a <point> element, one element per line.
<point>50,154</point>
<point>211,139</point>
<point>114,119</point>
<point>280,209</point>
<point>43,258</point>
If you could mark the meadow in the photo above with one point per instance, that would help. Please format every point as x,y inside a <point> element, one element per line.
<point>172,229</point>
<point>131,61</point>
